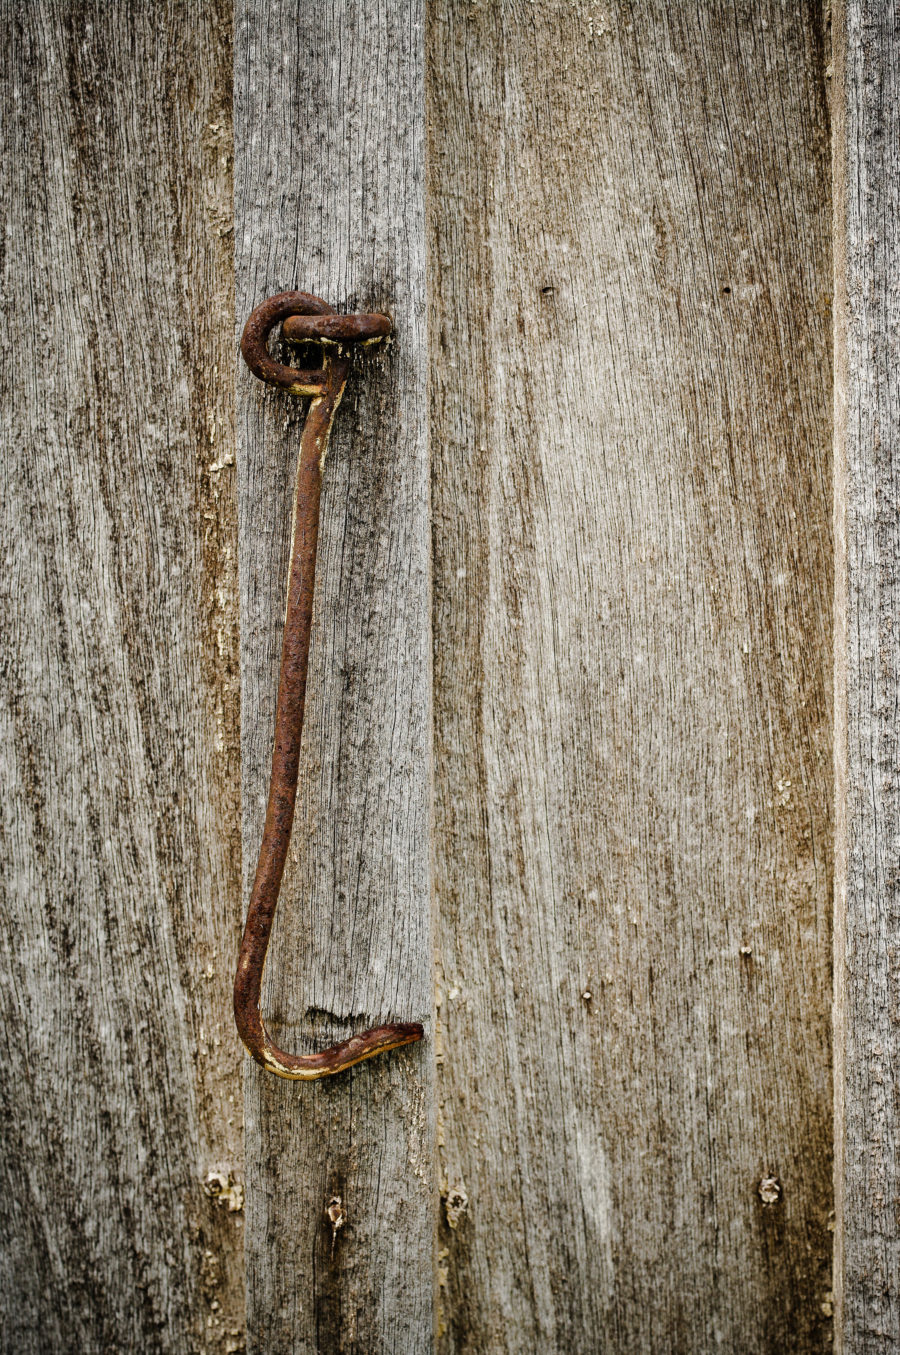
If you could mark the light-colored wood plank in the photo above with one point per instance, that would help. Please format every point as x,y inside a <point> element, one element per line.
<point>629,224</point>
<point>329,193</point>
<point>867,673</point>
<point>119,903</point>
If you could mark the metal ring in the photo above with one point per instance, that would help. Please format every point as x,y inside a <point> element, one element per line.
<point>310,320</point>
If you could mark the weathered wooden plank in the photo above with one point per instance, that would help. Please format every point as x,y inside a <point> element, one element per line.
<point>329,197</point>
<point>119,905</point>
<point>867,673</point>
<point>630,216</point>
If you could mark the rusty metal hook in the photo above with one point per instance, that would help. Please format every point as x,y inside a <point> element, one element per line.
<point>307,319</point>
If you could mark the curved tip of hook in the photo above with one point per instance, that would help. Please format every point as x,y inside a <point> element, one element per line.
<point>309,1067</point>
<point>406,1032</point>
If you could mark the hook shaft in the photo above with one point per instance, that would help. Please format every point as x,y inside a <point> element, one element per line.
<point>326,386</point>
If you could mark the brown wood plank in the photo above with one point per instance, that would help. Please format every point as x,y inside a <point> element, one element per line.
<point>867,673</point>
<point>629,226</point>
<point>119,822</point>
<point>329,128</point>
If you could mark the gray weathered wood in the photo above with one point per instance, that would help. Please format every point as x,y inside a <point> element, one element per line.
<point>630,218</point>
<point>867,673</point>
<point>329,198</point>
<point>119,821</point>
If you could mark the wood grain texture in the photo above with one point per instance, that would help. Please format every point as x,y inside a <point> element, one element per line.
<point>329,198</point>
<point>119,904</point>
<point>867,674</point>
<point>629,227</point>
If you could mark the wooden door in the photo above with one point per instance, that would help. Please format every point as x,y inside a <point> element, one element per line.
<point>598,778</point>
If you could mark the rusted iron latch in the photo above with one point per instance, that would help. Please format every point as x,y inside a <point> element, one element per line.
<point>306,320</point>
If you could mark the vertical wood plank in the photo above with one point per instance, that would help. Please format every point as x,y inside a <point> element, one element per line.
<point>631,430</point>
<point>119,823</point>
<point>329,198</point>
<point>867,673</point>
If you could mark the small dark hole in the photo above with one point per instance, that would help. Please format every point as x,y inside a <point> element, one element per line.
<point>546,290</point>
<point>305,356</point>
<point>727,291</point>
